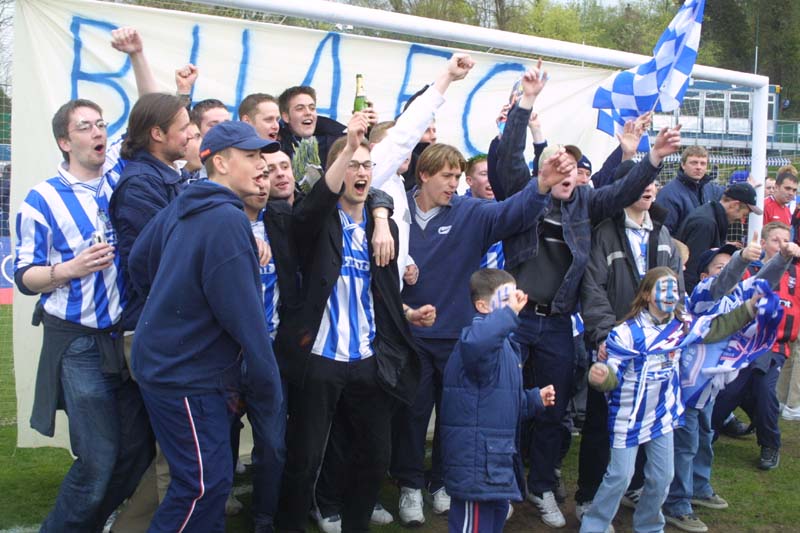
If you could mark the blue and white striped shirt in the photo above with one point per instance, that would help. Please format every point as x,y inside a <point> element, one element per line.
<point>55,223</point>
<point>269,280</point>
<point>494,257</point>
<point>647,402</point>
<point>348,324</point>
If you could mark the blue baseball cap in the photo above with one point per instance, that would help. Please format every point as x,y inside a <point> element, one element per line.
<point>234,134</point>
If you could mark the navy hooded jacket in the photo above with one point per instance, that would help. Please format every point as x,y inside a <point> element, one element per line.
<point>482,404</point>
<point>196,262</point>
<point>145,187</point>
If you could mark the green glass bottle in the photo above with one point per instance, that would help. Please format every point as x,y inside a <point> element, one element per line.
<point>360,103</point>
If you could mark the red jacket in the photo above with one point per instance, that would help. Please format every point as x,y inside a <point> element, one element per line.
<point>789,293</point>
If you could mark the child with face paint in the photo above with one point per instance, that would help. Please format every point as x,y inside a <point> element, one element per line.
<point>483,404</point>
<point>642,382</point>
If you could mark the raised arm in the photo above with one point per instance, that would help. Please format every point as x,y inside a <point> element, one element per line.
<point>482,342</point>
<point>128,41</point>
<point>775,267</point>
<point>610,200</point>
<point>401,138</point>
<point>512,170</point>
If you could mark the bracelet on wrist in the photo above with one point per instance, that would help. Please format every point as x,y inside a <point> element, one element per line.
<point>53,281</point>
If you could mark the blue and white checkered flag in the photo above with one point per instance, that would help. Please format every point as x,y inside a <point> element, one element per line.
<point>659,84</point>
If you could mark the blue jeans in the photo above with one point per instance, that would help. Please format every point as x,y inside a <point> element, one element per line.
<point>109,435</point>
<point>693,458</point>
<point>657,477</point>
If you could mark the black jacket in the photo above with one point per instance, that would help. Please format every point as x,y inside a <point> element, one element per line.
<point>706,227</point>
<point>612,279</point>
<point>317,231</point>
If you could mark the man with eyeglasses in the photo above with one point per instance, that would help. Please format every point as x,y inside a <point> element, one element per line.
<point>348,350</point>
<point>66,253</point>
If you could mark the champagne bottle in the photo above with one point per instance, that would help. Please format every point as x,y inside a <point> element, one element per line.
<point>360,103</point>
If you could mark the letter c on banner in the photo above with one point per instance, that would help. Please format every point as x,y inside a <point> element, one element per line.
<point>103,78</point>
<point>497,69</point>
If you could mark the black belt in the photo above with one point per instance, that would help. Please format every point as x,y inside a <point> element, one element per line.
<point>539,309</point>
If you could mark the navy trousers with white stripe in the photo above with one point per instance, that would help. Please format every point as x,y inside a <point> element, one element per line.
<point>192,433</point>
<point>477,517</point>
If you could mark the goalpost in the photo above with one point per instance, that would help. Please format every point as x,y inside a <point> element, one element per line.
<point>333,12</point>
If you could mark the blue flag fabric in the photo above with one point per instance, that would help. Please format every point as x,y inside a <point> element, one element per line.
<point>660,83</point>
<point>707,368</point>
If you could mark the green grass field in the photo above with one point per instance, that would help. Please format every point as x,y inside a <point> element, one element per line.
<point>760,501</point>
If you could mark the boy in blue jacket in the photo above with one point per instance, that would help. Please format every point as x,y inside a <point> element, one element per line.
<point>483,403</point>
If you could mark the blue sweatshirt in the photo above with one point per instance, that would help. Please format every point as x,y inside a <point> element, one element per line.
<point>196,262</point>
<point>450,249</point>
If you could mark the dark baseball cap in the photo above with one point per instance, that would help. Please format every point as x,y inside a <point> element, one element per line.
<point>709,255</point>
<point>584,162</point>
<point>744,192</point>
<point>234,134</point>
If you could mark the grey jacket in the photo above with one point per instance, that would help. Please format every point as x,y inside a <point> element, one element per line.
<point>611,279</point>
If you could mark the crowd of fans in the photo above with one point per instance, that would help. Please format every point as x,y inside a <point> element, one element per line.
<point>328,282</point>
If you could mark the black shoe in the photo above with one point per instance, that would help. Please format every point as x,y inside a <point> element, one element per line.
<point>734,428</point>
<point>770,458</point>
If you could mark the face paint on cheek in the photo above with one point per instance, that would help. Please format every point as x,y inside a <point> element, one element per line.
<point>666,294</point>
<point>500,297</point>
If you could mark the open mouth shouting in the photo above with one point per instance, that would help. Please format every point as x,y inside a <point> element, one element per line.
<point>361,185</point>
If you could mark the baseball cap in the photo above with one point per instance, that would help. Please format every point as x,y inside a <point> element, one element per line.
<point>738,176</point>
<point>744,192</point>
<point>234,134</point>
<point>571,149</point>
<point>584,162</point>
<point>709,255</point>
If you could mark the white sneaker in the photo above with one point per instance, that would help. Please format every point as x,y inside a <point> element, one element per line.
<point>510,512</point>
<point>791,413</point>
<point>581,509</point>
<point>381,516</point>
<point>548,509</point>
<point>410,508</point>
<point>440,501</point>
<point>232,505</point>
<point>331,524</point>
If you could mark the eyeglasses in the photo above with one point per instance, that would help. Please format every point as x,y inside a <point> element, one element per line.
<point>353,164</point>
<point>84,125</point>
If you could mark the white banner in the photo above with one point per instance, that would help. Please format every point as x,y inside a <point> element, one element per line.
<point>62,51</point>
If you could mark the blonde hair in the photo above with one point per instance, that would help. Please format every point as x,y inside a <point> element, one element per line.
<point>436,156</point>
<point>693,151</point>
